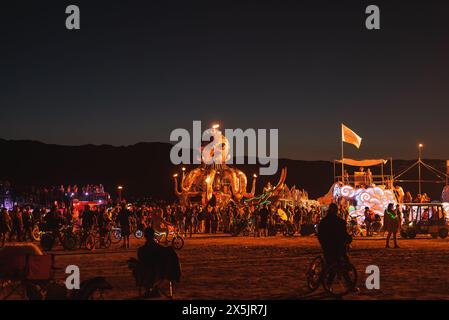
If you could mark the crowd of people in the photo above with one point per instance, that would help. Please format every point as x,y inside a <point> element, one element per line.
<point>18,223</point>
<point>53,207</point>
<point>45,196</point>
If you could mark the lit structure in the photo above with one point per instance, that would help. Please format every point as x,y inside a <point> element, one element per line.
<point>377,198</point>
<point>363,189</point>
<point>213,181</point>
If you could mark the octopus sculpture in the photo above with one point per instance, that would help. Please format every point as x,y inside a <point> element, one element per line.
<point>213,181</point>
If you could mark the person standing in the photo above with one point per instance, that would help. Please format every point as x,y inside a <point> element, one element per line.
<point>27,218</point>
<point>17,224</point>
<point>123,218</point>
<point>263,221</point>
<point>369,216</point>
<point>392,223</point>
<point>5,225</point>
<point>207,219</point>
<point>103,225</point>
<point>188,221</point>
<point>214,220</point>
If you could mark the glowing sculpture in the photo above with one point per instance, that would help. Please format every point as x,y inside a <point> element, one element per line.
<point>270,194</point>
<point>213,181</point>
<point>376,198</point>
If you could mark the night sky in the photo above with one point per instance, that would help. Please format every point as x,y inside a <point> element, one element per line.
<point>138,69</point>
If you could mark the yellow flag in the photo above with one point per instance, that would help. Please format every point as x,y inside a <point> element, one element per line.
<point>349,136</point>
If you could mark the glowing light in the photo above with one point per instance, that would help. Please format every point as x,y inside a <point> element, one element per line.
<point>420,145</point>
<point>183,169</point>
<point>120,187</point>
<point>255,175</point>
<point>377,199</point>
<point>215,126</point>
<point>175,175</point>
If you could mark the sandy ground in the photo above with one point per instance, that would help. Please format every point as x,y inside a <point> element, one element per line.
<point>223,267</point>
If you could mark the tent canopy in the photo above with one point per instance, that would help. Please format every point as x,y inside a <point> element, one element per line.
<point>362,163</point>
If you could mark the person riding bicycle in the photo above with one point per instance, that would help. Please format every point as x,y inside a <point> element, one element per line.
<point>160,225</point>
<point>333,236</point>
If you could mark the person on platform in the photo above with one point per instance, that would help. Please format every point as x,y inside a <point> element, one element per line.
<point>369,177</point>
<point>346,177</point>
<point>392,224</point>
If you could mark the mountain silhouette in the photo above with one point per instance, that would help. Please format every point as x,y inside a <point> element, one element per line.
<point>145,169</point>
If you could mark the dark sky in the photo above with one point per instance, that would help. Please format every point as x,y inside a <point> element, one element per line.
<point>138,69</point>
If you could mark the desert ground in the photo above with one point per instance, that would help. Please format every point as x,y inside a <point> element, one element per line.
<point>225,267</point>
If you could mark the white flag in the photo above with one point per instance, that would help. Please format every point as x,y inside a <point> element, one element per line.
<point>349,136</point>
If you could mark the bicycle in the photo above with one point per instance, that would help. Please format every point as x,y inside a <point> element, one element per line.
<point>65,235</point>
<point>102,241</point>
<point>116,233</point>
<point>176,239</point>
<point>338,279</point>
<point>86,239</point>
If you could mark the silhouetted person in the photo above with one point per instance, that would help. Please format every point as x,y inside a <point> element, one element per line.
<point>27,218</point>
<point>5,225</point>
<point>150,255</point>
<point>392,223</point>
<point>369,219</point>
<point>17,224</point>
<point>263,220</point>
<point>154,263</point>
<point>123,218</point>
<point>333,236</point>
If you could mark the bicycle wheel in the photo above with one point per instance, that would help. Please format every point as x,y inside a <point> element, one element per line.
<point>116,235</point>
<point>47,241</point>
<point>340,278</point>
<point>314,273</point>
<point>177,242</point>
<point>105,244</point>
<point>90,242</point>
<point>107,241</point>
<point>69,241</point>
<point>138,234</point>
<point>35,233</point>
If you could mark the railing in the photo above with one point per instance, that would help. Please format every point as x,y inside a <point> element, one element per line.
<point>364,179</point>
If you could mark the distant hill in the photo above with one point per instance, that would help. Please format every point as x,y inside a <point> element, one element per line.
<point>145,168</point>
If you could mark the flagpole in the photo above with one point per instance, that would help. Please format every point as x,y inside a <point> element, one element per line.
<point>342,156</point>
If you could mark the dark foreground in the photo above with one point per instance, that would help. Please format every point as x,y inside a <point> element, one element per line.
<point>223,267</point>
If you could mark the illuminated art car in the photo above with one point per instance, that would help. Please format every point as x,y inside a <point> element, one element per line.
<point>92,200</point>
<point>425,218</point>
